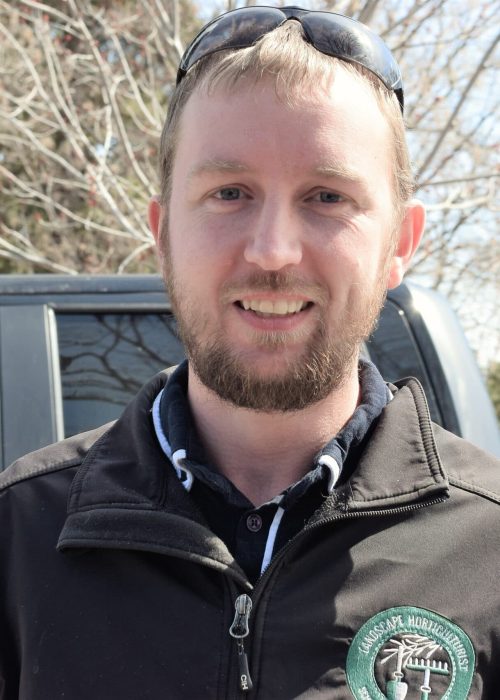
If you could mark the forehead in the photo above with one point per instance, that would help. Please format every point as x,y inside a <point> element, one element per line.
<point>251,124</point>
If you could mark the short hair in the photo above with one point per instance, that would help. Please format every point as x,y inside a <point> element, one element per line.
<point>284,56</point>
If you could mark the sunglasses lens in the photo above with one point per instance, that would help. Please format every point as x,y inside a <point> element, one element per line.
<point>330,33</point>
<point>345,38</point>
<point>234,30</point>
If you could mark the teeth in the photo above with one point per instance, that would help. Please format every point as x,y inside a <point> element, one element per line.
<point>282,307</point>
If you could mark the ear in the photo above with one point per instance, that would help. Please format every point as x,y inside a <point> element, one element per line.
<point>156,213</point>
<point>410,234</point>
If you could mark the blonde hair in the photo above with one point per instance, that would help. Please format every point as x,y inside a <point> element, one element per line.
<point>295,67</point>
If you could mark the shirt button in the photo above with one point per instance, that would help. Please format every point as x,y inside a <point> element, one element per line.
<point>254,522</point>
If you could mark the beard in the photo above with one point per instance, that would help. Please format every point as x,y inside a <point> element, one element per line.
<point>323,367</point>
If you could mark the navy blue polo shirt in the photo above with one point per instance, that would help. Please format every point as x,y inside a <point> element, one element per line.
<point>253,534</point>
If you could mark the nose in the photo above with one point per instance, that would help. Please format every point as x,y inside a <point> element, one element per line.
<point>274,241</point>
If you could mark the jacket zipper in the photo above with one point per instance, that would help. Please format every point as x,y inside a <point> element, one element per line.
<point>341,516</point>
<point>240,627</point>
<point>239,630</point>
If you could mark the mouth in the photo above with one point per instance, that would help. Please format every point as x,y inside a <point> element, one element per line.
<point>280,308</point>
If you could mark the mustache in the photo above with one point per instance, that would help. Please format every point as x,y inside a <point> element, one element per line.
<point>273,281</point>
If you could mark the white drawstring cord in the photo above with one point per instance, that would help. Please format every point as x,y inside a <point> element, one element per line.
<point>271,539</point>
<point>184,475</point>
<point>186,478</point>
<point>334,467</point>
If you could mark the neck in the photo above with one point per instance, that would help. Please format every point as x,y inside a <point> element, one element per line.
<point>264,453</point>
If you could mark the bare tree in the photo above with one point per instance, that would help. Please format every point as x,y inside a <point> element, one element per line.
<point>447,51</point>
<point>84,91</point>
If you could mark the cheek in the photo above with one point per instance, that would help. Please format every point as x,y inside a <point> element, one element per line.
<point>199,266</point>
<point>200,235</point>
<point>345,257</point>
<point>354,270</point>
<point>186,248</point>
<point>207,258</point>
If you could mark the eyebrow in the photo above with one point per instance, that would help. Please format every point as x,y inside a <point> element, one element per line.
<point>216,165</point>
<point>333,170</point>
<point>339,171</point>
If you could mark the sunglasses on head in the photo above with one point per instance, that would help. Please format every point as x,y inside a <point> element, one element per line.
<point>332,34</point>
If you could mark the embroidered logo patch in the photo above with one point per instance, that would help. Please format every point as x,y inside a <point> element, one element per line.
<point>409,653</point>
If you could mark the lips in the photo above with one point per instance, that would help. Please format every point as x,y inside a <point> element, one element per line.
<point>279,307</point>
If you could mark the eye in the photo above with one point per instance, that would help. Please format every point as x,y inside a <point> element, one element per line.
<point>327,197</point>
<point>228,193</point>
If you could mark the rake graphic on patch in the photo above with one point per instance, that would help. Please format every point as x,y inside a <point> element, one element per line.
<point>427,667</point>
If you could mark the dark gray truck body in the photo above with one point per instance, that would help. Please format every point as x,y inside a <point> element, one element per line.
<point>74,350</point>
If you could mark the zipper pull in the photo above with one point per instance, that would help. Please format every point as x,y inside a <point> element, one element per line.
<point>239,630</point>
<point>243,607</point>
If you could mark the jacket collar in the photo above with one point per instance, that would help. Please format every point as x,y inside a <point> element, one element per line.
<point>127,495</point>
<point>400,463</point>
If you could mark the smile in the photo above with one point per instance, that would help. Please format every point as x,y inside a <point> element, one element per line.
<point>266,308</point>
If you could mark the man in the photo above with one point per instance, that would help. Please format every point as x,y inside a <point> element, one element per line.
<point>269,520</point>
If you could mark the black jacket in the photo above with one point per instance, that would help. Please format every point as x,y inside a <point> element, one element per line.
<point>113,588</point>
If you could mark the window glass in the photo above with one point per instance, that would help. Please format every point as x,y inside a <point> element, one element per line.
<point>106,358</point>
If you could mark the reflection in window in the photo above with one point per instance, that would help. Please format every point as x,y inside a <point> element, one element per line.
<point>106,358</point>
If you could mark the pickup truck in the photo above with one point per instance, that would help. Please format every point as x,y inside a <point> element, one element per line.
<point>74,350</point>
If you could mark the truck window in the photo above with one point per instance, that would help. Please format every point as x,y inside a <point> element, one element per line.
<point>106,358</point>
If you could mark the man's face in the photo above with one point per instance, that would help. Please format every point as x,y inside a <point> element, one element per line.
<point>279,239</point>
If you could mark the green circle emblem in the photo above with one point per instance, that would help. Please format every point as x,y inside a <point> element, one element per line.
<point>410,653</point>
